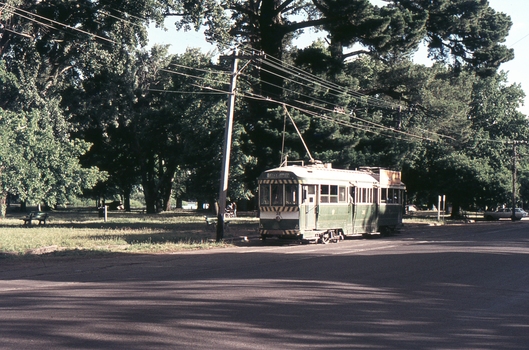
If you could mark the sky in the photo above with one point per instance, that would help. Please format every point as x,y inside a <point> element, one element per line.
<point>518,39</point>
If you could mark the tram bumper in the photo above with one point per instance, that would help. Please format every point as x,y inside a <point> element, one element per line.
<point>283,234</point>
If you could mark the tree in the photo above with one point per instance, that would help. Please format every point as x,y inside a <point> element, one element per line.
<point>49,47</point>
<point>153,116</point>
<point>459,33</point>
<point>36,164</point>
<point>386,110</point>
<point>468,31</point>
<point>185,130</point>
<point>62,42</point>
<point>474,169</point>
<point>464,32</point>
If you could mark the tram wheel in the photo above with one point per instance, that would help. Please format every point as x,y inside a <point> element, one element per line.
<point>325,237</point>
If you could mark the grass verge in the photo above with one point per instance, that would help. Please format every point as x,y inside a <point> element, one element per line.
<point>82,232</point>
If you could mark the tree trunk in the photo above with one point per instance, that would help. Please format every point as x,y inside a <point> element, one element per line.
<point>456,207</point>
<point>150,203</point>
<point>125,197</point>
<point>148,171</point>
<point>167,201</point>
<point>271,42</point>
<point>167,175</point>
<point>3,206</point>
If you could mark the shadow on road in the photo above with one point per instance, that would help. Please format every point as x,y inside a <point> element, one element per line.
<point>428,288</point>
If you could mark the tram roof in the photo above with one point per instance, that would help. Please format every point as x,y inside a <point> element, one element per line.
<point>319,172</point>
<point>324,172</point>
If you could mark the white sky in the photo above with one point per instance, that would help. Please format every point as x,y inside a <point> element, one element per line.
<point>518,39</point>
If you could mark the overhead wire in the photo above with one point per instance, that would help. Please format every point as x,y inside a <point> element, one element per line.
<point>336,92</point>
<point>369,101</point>
<point>29,18</point>
<point>166,70</point>
<point>341,122</point>
<point>73,28</point>
<point>365,99</point>
<point>191,92</point>
<point>352,114</point>
<point>191,75</point>
<point>267,60</point>
<point>200,69</point>
<point>311,78</point>
<point>15,9</point>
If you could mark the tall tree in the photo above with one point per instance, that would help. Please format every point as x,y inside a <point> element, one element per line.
<point>467,31</point>
<point>36,164</point>
<point>462,33</point>
<point>474,169</point>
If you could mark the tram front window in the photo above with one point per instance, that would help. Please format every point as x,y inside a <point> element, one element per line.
<point>291,197</point>
<point>264,195</point>
<point>277,195</point>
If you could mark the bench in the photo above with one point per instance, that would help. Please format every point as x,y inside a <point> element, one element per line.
<point>37,216</point>
<point>211,223</point>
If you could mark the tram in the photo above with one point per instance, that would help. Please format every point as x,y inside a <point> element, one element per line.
<point>316,202</point>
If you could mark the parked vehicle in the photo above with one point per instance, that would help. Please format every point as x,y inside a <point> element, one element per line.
<point>505,213</point>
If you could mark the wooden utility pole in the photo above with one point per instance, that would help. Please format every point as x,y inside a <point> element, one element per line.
<point>513,217</point>
<point>226,149</point>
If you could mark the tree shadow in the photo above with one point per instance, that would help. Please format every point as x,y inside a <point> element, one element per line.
<point>439,290</point>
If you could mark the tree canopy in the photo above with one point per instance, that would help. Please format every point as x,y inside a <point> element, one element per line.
<point>37,162</point>
<point>78,84</point>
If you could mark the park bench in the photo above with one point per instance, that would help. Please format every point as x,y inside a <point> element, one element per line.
<point>211,223</point>
<point>37,216</point>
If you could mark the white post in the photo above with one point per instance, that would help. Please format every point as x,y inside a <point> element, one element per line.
<point>444,207</point>
<point>438,208</point>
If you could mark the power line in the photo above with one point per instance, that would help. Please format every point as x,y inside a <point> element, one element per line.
<point>15,9</point>
<point>344,123</point>
<point>191,75</point>
<point>267,60</point>
<point>313,79</point>
<point>190,92</point>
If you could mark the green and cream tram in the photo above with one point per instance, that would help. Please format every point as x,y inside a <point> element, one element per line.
<point>317,202</point>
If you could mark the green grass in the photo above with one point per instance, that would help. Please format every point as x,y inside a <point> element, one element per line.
<point>81,231</point>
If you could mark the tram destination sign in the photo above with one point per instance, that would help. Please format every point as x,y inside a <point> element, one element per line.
<point>391,178</point>
<point>279,175</point>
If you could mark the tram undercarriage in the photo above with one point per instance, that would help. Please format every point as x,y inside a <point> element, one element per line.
<point>327,236</point>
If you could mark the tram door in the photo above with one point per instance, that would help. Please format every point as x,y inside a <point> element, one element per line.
<point>352,209</point>
<point>309,206</point>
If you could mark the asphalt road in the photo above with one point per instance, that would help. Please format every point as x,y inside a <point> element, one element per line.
<point>452,287</point>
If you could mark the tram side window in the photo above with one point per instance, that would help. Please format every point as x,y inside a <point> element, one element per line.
<point>365,195</point>
<point>397,196</point>
<point>329,194</point>
<point>291,192</point>
<point>383,195</point>
<point>394,196</point>
<point>341,194</point>
<point>264,195</point>
<point>324,194</point>
<point>277,195</point>
<point>333,198</point>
